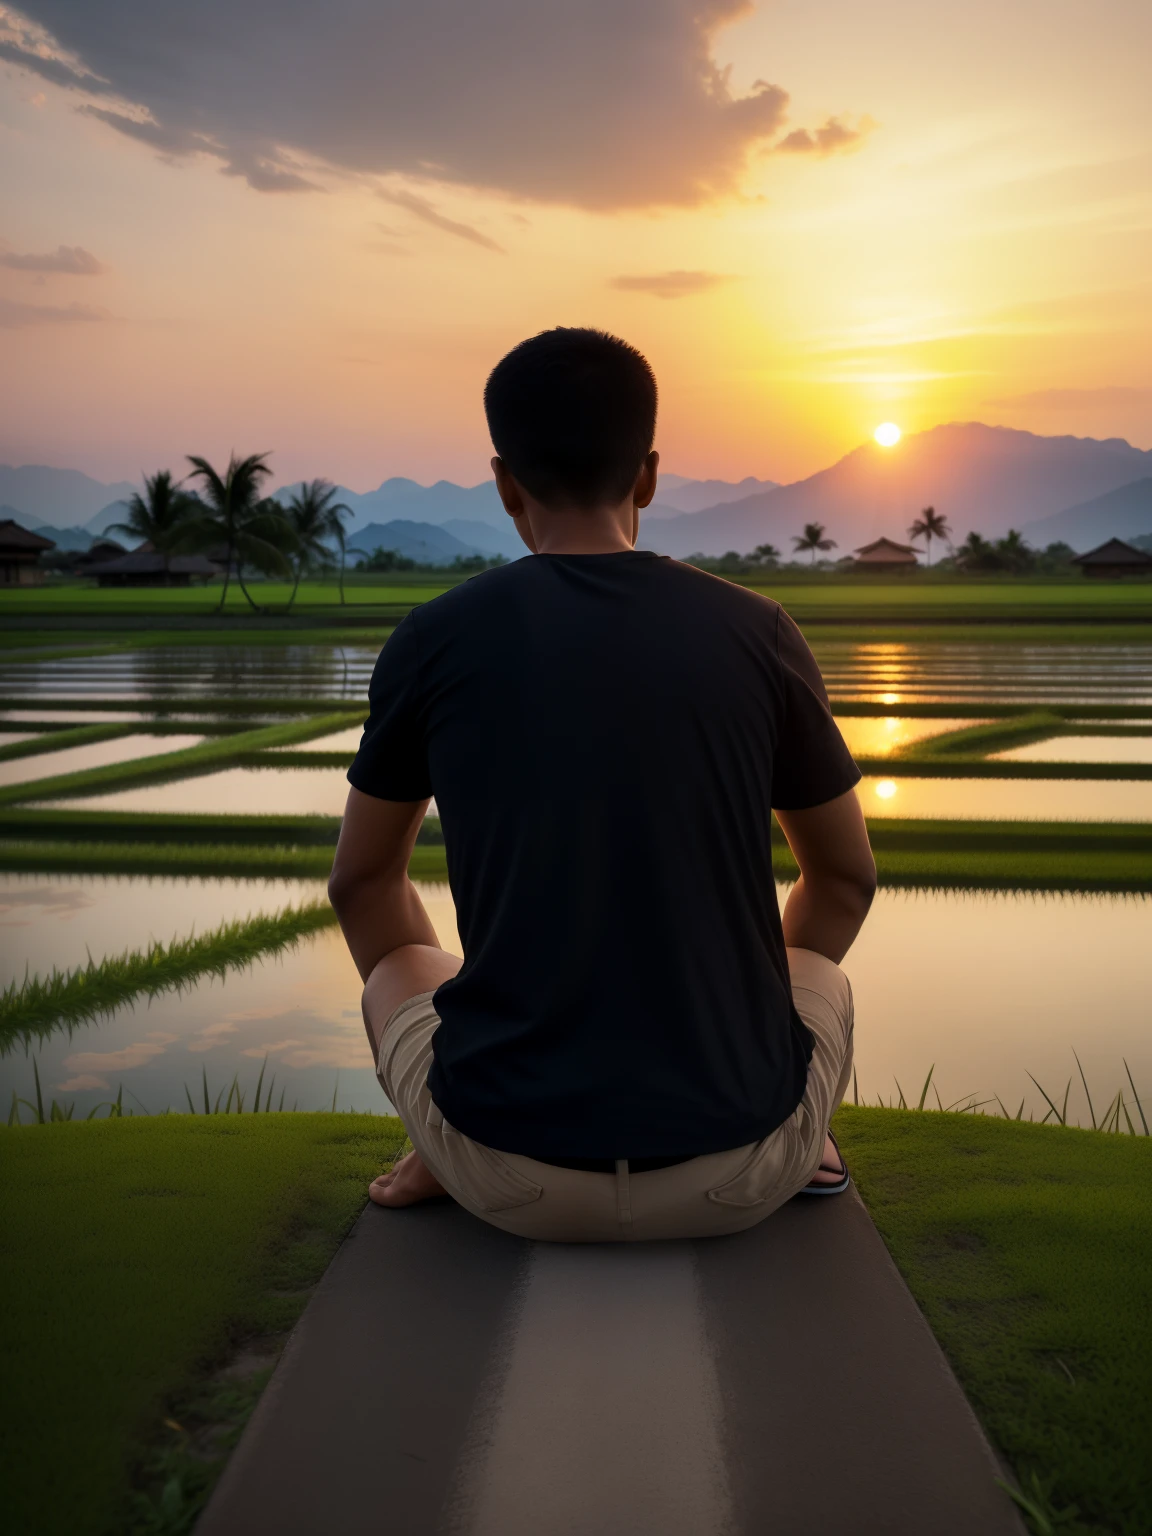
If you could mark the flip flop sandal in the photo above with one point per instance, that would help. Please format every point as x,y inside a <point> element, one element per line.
<point>830,1189</point>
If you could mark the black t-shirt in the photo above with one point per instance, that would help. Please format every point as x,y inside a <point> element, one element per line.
<point>605,736</point>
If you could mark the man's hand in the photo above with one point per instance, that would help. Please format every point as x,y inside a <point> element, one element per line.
<point>830,901</point>
<point>369,887</point>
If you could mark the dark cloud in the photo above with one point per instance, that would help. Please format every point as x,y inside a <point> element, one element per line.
<point>73,259</point>
<point>834,138</point>
<point>671,285</point>
<point>15,316</point>
<point>423,209</point>
<point>600,104</point>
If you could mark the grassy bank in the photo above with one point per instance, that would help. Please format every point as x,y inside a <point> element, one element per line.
<point>194,1241</point>
<point>152,1268</point>
<point>1029,1249</point>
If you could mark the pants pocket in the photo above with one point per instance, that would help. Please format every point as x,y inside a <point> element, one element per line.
<point>764,1172</point>
<point>477,1173</point>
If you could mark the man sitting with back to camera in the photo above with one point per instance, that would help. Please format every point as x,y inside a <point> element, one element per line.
<point>635,1045</point>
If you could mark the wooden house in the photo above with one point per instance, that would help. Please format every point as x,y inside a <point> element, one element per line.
<point>1115,558</point>
<point>885,555</point>
<point>20,551</point>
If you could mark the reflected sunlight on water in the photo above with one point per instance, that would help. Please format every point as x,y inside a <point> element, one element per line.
<point>870,736</point>
<point>97,754</point>
<point>1081,749</point>
<point>1008,799</point>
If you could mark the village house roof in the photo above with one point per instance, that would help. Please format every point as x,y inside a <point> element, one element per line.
<point>1115,552</point>
<point>15,539</point>
<point>142,562</point>
<point>885,552</point>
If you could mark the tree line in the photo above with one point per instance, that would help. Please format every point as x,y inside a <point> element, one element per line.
<point>977,555</point>
<point>227,516</point>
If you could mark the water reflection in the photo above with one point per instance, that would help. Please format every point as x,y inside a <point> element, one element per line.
<point>59,920</point>
<point>1081,749</point>
<point>892,673</point>
<point>1008,799</point>
<point>876,736</point>
<point>97,754</point>
<point>232,791</point>
<point>986,987</point>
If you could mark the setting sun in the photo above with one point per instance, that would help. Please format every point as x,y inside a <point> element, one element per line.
<point>887,434</point>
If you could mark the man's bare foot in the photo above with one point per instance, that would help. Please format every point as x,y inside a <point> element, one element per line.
<point>831,1169</point>
<point>408,1183</point>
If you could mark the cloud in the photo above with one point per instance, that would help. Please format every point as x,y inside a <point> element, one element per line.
<point>834,138</point>
<point>14,316</point>
<point>603,104</point>
<point>671,285</point>
<point>1112,395</point>
<point>212,1035</point>
<point>82,1081</point>
<point>73,259</point>
<point>423,209</point>
<point>113,1061</point>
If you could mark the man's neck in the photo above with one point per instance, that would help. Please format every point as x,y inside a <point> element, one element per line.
<point>581,531</point>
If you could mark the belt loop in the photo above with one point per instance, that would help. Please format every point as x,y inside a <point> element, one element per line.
<point>623,1196</point>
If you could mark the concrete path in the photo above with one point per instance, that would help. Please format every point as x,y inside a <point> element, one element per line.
<point>448,1380</point>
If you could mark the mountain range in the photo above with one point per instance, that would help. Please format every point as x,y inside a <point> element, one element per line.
<point>990,479</point>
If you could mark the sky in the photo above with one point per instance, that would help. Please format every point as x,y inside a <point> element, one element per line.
<point>313,229</point>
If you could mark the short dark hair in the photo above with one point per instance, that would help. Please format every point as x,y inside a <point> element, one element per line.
<point>572,413</point>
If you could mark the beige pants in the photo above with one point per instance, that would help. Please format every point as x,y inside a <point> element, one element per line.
<point>707,1196</point>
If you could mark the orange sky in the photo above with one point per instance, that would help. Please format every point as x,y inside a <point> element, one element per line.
<point>975,244</point>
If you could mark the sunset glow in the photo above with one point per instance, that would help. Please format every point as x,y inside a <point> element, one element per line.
<point>887,434</point>
<point>191,263</point>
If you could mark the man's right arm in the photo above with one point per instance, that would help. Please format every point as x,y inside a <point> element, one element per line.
<point>830,901</point>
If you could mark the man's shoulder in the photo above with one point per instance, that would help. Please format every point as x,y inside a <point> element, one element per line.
<point>481,589</point>
<point>709,588</point>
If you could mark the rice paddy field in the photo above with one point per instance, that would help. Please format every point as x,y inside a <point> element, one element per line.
<point>170,794</point>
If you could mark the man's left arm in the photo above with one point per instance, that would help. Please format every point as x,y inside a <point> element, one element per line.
<point>378,906</point>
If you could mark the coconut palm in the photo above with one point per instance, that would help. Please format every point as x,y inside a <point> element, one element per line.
<point>161,517</point>
<point>812,539</point>
<point>236,519</point>
<point>1015,551</point>
<point>315,519</point>
<point>765,554</point>
<point>928,526</point>
<point>976,554</point>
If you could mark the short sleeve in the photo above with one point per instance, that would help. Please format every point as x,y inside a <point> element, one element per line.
<point>392,763</point>
<point>813,765</point>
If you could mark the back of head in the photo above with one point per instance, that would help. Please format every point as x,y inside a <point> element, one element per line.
<point>572,412</point>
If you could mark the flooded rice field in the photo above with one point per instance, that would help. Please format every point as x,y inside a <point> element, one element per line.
<point>1008,799</point>
<point>900,672</point>
<point>323,791</point>
<point>61,920</point>
<point>1081,749</point>
<point>985,987</point>
<point>97,754</point>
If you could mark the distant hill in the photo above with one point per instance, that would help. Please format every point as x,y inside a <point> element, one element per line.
<point>1121,514</point>
<point>62,497</point>
<point>400,499</point>
<point>987,478</point>
<point>675,494</point>
<point>502,540</point>
<point>423,542</point>
<point>70,539</point>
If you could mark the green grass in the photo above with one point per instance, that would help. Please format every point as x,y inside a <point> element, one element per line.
<point>40,1004</point>
<point>140,1257</point>
<point>1029,1249</point>
<point>59,740</point>
<point>219,752</point>
<point>193,1242</point>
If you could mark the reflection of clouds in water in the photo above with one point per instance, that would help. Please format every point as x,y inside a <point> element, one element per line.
<point>41,901</point>
<point>212,1034</point>
<point>135,1055</point>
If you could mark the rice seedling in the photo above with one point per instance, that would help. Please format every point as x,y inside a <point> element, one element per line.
<point>37,1005</point>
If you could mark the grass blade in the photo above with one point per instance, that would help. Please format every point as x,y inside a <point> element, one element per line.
<point>1087,1095</point>
<point>1051,1107</point>
<point>1136,1096</point>
<point>260,1084</point>
<point>924,1090</point>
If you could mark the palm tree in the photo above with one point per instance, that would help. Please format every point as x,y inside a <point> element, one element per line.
<point>1015,551</point>
<point>765,554</point>
<point>315,519</point>
<point>813,539</point>
<point>976,554</point>
<point>161,517</point>
<point>238,521</point>
<point>929,525</point>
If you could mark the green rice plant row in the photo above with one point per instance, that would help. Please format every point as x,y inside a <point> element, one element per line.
<point>204,758</point>
<point>339,762</point>
<point>38,1005</point>
<point>289,706</point>
<point>167,827</point>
